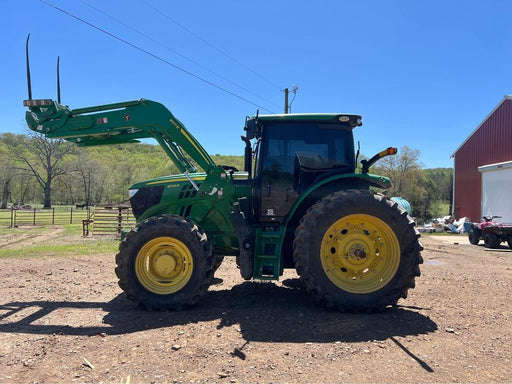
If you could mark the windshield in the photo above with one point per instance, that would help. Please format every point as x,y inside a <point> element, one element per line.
<point>313,146</point>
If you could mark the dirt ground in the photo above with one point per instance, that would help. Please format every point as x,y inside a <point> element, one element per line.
<point>66,320</point>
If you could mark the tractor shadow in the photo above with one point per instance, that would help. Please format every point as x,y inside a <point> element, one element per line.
<point>265,312</point>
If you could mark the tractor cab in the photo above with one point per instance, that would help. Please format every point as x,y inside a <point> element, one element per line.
<point>295,152</point>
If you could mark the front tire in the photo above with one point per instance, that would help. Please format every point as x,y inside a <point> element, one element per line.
<point>357,251</point>
<point>165,263</point>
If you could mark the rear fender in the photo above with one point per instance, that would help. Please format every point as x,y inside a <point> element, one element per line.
<point>337,182</point>
<point>316,192</point>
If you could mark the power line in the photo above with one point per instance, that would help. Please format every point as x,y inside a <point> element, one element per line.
<point>155,56</point>
<point>211,45</point>
<point>177,53</point>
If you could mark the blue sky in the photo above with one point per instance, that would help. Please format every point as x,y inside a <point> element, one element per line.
<point>421,73</point>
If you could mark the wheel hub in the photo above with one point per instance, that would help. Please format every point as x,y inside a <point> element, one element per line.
<point>357,252</point>
<point>360,253</point>
<point>164,265</point>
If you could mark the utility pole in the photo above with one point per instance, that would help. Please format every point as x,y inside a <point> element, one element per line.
<point>286,100</point>
<point>288,106</point>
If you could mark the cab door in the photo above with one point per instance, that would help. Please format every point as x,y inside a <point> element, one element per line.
<point>277,195</point>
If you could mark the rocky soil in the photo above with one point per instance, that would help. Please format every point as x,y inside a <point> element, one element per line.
<point>66,320</point>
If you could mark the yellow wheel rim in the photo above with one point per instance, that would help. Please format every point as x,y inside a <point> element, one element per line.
<point>164,265</point>
<point>360,253</point>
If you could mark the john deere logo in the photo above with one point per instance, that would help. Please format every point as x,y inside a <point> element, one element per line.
<point>127,117</point>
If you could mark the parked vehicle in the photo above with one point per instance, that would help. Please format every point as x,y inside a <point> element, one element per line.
<point>492,233</point>
<point>299,204</point>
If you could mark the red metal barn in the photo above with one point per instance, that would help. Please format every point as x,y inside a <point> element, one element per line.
<point>488,147</point>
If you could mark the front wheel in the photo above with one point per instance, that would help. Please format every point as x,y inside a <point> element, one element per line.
<point>357,251</point>
<point>166,262</point>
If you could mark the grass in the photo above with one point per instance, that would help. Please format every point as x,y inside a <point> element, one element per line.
<point>442,234</point>
<point>62,250</point>
<point>53,241</point>
<point>73,230</point>
<point>11,232</point>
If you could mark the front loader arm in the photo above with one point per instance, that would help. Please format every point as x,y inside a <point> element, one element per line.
<point>125,122</point>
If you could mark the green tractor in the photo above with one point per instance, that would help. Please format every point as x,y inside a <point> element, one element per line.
<point>299,204</point>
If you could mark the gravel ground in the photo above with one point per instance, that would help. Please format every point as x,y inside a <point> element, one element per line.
<point>66,320</point>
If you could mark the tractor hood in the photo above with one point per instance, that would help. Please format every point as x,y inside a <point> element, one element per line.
<point>175,180</point>
<point>169,180</point>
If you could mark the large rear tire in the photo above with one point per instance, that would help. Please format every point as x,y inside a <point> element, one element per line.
<point>165,263</point>
<point>357,251</point>
<point>491,240</point>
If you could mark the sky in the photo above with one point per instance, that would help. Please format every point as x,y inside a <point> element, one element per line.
<point>423,74</point>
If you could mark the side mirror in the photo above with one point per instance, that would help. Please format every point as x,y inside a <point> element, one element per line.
<point>368,163</point>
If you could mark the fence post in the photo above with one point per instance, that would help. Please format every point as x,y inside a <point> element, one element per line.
<point>53,216</point>
<point>34,217</point>
<point>71,216</point>
<point>12,217</point>
<point>119,221</point>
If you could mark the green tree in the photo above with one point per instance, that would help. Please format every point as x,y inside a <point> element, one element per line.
<point>7,174</point>
<point>43,158</point>
<point>89,174</point>
<point>443,178</point>
<point>409,181</point>
<point>401,168</point>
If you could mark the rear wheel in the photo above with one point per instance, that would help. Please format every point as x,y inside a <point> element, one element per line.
<point>474,235</point>
<point>166,262</point>
<point>357,251</point>
<point>491,240</point>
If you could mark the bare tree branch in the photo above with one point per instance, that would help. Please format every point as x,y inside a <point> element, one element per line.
<point>43,158</point>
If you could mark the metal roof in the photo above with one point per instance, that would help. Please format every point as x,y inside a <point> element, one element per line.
<point>507,97</point>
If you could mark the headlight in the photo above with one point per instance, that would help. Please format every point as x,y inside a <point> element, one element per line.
<point>37,103</point>
<point>132,192</point>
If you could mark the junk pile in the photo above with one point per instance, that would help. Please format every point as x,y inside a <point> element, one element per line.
<point>445,224</point>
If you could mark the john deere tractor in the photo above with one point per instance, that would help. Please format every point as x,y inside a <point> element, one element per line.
<point>299,204</point>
